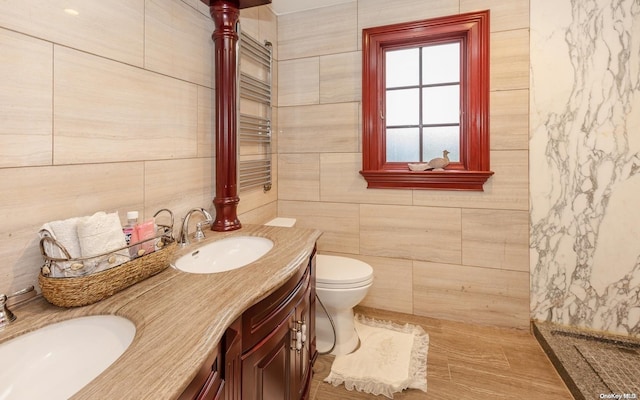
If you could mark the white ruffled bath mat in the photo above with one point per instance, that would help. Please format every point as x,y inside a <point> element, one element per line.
<point>390,359</point>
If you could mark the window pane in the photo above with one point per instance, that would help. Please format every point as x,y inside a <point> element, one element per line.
<point>403,107</point>
<point>441,105</point>
<point>435,140</point>
<point>402,67</point>
<point>403,145</point>
<point>441,63</point>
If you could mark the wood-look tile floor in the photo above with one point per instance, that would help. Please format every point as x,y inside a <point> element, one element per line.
<point>464,362</point>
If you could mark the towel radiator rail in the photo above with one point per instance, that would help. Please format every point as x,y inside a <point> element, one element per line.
<point>256,129</point>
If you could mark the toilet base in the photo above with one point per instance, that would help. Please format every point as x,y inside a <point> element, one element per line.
<point>346,336</point>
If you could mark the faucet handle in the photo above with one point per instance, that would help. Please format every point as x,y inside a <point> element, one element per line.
<point>199,235</point>
<point>6,316</point>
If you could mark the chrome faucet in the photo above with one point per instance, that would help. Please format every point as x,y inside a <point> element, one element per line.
<point>6,316</point>
<point>199,234</point>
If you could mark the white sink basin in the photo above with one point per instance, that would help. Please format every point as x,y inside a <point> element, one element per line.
<point>57,360</point>
<point>224,255</point>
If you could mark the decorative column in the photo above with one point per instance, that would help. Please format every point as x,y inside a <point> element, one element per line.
<point>225,15</point>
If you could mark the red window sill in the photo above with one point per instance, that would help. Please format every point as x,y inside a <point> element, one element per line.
<point>438,180</point>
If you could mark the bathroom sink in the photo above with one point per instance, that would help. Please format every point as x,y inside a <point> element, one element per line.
<point>224,255</point>
<point>57,360</point>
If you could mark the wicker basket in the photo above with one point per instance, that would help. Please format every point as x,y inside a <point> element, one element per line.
<point>76,291</point>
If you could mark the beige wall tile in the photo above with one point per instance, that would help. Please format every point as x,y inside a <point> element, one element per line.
<point>113,29</point>
<point>510,60</point>
<point>26,73</point>
<point>415,233</point>
<point>507,189</point>
<point>319,128</point>
<point>259,215</point>
<point>505,15</point>
<point>252,198</point>
<point>471,294</point>
<point>178,185</point>
<point>392,284</point>
<point>496,239</point>
<point>299,176</point>
<point>206,122</point>
<point>340,181</point>
<point>381,12</point>
<point>339,223</point>
<point>178,41</point>
<point>299,85</point>
<point>42,194</point>
<point>326,30</point>
<point>509,120</point>
<point>95,122</point>
<point>341,77</point>
<point>250,22</point>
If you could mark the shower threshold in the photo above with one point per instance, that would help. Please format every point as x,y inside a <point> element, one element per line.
<point>593,365</point>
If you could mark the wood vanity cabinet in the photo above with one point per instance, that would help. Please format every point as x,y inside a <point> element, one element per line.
<point>268,352</point>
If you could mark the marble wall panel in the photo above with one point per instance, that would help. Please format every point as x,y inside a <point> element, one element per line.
<point>178,41</point>
<point>585,152</point>
<point>26,76</point>
<point>320,128</point>
<point>413,233</point>
<point>339,223</point>
<point>471,294</point>
<point>326,30</point>
<point>113,29</point>
<point>495,239</point>
<point>106,111</point>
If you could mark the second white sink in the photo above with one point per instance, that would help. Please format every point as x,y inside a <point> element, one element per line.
<point>224,255</point>
<point>56,361</point>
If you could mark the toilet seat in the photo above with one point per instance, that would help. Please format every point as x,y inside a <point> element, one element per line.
<point>335,272</point>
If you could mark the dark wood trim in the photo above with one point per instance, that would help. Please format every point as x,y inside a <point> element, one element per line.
<point>242,3</point>
<point>225,15</point>
<point>473,170</point>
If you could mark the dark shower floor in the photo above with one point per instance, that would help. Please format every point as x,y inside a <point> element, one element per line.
<point>593,365</point>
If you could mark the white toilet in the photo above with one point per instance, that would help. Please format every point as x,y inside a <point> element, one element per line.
<point>341,283</point>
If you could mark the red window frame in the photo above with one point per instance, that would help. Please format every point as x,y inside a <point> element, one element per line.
<point>472,171</point>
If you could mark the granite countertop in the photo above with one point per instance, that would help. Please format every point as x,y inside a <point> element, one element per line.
<point>179,317</point>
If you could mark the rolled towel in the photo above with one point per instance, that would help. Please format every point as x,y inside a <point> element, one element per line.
<point>65,232</point>
<point>101,235</point>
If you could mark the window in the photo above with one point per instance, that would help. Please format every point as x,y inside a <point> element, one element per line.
<point>426,90</point>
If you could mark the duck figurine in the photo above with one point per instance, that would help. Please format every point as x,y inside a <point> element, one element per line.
<point>440,163</point>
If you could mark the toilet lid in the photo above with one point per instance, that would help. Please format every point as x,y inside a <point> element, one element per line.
<point>342,272</point>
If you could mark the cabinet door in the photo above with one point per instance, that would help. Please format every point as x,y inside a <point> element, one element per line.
<point>232,361</point>
<point>266,371</point>
<point>301,352</point>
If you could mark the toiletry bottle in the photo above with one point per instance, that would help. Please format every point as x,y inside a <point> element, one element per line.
<point>131,233</point>
<point>146,231</point>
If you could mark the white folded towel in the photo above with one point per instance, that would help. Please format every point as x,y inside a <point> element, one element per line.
<point>100,234</point>
<point>65,232</point>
